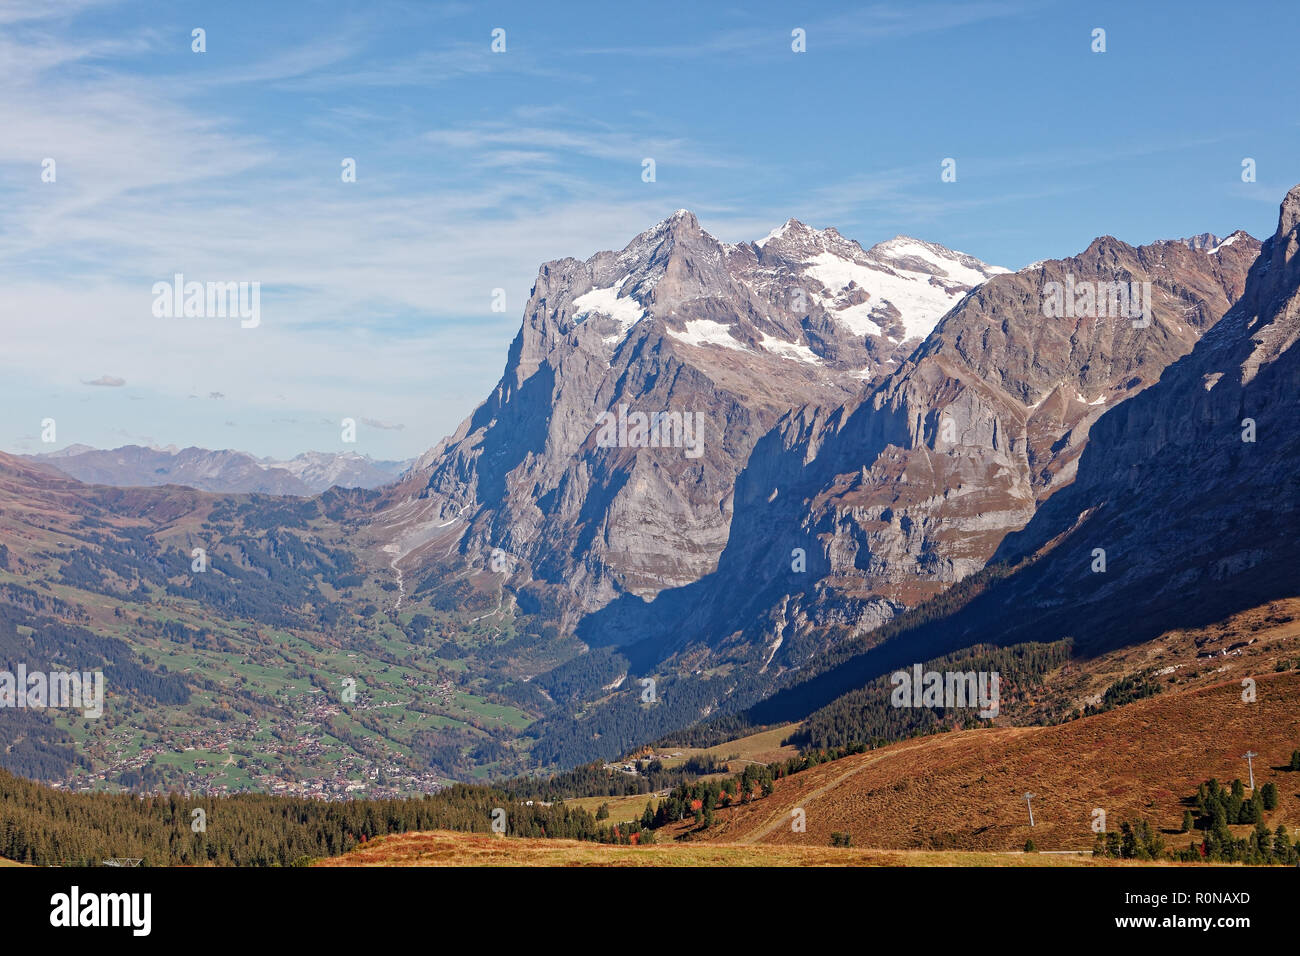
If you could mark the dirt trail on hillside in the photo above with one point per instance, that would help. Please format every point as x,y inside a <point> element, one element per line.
<point>782,818</point>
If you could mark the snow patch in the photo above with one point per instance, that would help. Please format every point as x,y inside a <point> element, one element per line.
<point>920,302</point>
<point>790,350</point>
<point>707,332</point>
<point>1226,242</point>
<point>905,248</point>
<point>625,310</point>
<point>857,319</point>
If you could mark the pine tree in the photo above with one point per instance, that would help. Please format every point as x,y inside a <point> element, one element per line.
<point>1218,816</point>
<point>1269,795</point>
<point>1262,840</point>
<point>1252,810</point>
<point>1281,844</point>
<point>1188,821</point>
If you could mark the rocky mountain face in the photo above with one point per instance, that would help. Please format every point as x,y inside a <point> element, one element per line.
<point>1185,508</point>
<point>220,471</point>
<point>604,462</point>
<point>845,516</point>
<point>1186,505</point>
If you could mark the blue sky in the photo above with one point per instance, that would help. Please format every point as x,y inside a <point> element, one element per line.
<point>475,167</point>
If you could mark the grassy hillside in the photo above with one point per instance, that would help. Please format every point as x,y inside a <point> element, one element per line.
<point>765,746</point>
<point>963,790</point>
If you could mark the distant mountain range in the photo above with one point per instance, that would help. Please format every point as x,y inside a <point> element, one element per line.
<point>221,471</point>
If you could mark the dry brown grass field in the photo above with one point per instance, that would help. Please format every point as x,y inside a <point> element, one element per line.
<point>444,848</point>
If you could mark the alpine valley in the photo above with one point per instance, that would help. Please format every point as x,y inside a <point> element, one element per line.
<point>719,490</point>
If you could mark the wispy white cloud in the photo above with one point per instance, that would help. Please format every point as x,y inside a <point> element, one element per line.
<point>864,25</point>
<point>14,12</point>
<point>426,69</point>
<point>382,426</point>
<point>578,137</point>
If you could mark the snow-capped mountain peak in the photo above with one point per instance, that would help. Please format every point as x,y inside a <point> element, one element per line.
<point>801,294</point>
<point>897,290</point>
